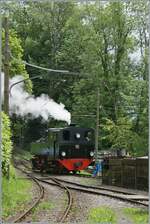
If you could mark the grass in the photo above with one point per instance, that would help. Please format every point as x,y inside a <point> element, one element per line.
<point>15,194</point>
<point>24,155</point>
<point>137,215</point>
<point>102,215</point>
<point>85,173</point>
<point>43,206</point>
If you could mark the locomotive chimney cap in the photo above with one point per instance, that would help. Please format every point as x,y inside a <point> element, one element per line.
<point>72,125</point>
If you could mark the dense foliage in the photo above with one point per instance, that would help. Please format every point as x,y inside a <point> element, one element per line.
<point>107,43</point>
<point>6,143</point>
<point>17,67</point>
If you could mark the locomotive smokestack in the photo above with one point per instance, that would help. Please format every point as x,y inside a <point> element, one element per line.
<point>72,125</point>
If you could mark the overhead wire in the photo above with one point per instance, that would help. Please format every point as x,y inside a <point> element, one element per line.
<point>50,70</point>
<point>41,68</point>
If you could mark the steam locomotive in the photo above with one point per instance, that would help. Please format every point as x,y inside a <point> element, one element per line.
<point>64,150</point>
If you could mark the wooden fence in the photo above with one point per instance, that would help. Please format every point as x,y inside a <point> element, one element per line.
<point>129,173</point>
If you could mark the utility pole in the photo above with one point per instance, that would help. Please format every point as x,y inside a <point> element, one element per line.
<point>0,115</point>
<point>6,66</point>
<point>97,125</point>
<point>6,71</point>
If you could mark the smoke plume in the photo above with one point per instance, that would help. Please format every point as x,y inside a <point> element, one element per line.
<point>24,104</point>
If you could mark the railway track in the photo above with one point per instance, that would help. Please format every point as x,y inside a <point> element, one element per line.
<point>68,185</point>
<point>41,195</point>
<point>116,194</point>
<point>34,204</point>
<point>70,198</point>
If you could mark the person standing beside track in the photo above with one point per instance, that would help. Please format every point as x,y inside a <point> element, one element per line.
<point>98,169</point>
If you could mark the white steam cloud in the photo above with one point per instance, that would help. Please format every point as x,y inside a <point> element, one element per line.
<point>24,104</point>
<point>2,85</point>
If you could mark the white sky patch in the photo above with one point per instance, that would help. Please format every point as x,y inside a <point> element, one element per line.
<point>135,56</point>
<point>24,104</point>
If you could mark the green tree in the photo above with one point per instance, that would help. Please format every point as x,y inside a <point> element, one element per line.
<point>17,67</point>
<point>107,56</point>
<point>140,12</point>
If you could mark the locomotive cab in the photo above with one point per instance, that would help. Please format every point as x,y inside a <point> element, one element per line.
<point>76,143</point>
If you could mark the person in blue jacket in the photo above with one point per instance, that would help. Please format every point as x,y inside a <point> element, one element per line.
<point>98,169</point>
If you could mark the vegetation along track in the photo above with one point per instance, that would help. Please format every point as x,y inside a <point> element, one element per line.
<point>117,194</point>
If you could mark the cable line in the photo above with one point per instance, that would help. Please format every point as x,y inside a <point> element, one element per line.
<point>42,68</point>
<point>51,70</point>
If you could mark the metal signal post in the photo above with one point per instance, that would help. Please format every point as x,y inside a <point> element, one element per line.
<point>97,125</point>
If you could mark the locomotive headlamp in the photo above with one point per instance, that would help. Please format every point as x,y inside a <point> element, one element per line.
<point>77,146</point>
<point>78,135</point>
<point>91,153</point>
<point>63,153</point>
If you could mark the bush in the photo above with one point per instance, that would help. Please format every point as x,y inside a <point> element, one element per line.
<point>6,144</point>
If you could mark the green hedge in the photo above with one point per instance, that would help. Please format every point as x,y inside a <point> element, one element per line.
<point>6,143</point>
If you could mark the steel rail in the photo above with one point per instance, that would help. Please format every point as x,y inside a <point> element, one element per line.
<point>93,187</point>
<point>36,202</point>
<point>57,183</point>
<point>99,193</point>
<point>70,198</point>
<point>96,188</point>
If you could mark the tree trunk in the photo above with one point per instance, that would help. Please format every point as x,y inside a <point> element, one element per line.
<point>6,67</point>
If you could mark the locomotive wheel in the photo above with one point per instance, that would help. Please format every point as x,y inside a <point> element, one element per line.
<point>74,171</point>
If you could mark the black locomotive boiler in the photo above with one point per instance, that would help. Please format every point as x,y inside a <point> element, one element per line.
<point>64,150</point>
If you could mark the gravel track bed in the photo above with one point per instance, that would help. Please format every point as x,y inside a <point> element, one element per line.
<point>55,199</point>
<point>84,202</point>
